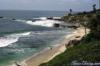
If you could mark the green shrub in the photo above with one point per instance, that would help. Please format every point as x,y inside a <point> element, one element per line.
<point>83,52</point>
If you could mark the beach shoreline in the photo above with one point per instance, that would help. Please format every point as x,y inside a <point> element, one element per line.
<point>53,51</point>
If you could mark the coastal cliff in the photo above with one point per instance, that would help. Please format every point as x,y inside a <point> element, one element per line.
<point>87,50</point>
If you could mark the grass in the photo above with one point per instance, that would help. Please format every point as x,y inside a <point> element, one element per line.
<point>85,51</point>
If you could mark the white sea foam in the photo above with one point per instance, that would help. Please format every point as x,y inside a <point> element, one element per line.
<point>46,23</point>
<point>42,21</point>
<point>23,34</point>
<point>19,34</point>
<point>20,20</point>
<point>6,41</point>
<point>9,39</point>
<point>41,18</point>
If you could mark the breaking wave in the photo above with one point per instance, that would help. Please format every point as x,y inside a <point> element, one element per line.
<point>42,21</point>
<point>8,40</point>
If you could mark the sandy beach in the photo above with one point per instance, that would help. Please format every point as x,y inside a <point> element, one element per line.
<point>54,51</point>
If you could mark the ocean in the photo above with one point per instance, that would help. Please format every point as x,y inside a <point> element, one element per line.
<point>20,39</point>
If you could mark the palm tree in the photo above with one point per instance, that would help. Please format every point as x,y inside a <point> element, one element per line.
<point>70,11</point>
<point>99,4</point>
<point>94,8</point>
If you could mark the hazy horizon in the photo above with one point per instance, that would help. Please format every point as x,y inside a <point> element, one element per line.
<point>48,5</point>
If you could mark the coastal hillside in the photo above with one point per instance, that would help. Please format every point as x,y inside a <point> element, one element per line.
<point>87,50</point>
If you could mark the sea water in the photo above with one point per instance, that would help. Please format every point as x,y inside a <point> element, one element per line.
<point>20,40</point>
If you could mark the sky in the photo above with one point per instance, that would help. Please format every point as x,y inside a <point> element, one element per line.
<point>55,5</point>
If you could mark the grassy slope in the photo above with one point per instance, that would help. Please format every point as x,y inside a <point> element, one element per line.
<point>85,51</point>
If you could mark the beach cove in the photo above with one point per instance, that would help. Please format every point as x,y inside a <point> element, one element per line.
<point>54,51</point>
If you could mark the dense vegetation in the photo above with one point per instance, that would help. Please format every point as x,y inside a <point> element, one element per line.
<point>88,50</point>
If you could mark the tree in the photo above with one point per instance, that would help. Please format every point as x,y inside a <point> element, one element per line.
<point>99,4</point>
<point>94,26</point>
<point>94,8</point>
<point>70,12</point>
